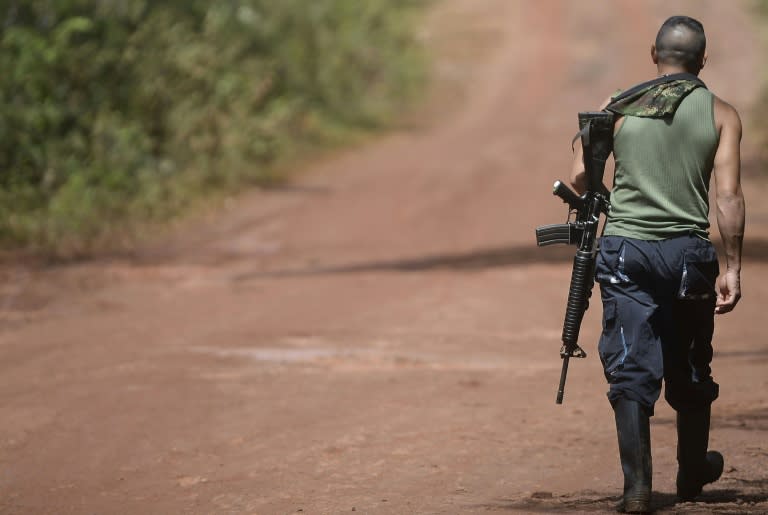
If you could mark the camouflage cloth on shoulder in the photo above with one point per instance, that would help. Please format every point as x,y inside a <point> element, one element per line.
<point>655,99</point>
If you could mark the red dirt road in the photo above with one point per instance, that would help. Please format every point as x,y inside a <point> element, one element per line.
<point>381,336</point>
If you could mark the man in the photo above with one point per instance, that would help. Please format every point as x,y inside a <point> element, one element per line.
<point>658,271</point>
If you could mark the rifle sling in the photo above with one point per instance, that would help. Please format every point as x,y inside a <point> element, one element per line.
<point>664,79</point>
<point>655,82</point>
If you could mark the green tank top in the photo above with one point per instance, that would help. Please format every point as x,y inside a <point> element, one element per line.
<point>663,167</point>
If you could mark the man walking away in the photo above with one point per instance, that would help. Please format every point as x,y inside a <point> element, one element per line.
<point>657,269</point>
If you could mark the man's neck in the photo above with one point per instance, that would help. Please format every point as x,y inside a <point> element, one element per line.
<point>671,70</point>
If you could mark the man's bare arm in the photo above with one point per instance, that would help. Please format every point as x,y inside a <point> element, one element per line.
<point>730,204</point>
<point>578,174</point>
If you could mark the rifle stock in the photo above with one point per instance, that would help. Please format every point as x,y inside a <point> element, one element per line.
<point>596,131</point>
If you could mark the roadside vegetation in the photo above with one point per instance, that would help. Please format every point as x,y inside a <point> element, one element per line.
<point>759,114</point>
<point>115,116</point>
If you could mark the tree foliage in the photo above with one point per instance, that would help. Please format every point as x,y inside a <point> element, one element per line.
<point>113,111</point>
<point>757,117</point>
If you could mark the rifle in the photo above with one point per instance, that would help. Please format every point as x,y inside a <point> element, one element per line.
<point>596,132</point>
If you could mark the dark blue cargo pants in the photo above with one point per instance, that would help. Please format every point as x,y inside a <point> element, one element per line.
<point>658,319</point>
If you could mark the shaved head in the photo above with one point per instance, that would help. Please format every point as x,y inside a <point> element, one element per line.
<point>681,42</point>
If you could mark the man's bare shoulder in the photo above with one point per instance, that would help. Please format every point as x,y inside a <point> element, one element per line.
<point>726,115</point>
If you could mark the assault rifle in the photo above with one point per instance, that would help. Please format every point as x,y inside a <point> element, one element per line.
<point>596,131</point>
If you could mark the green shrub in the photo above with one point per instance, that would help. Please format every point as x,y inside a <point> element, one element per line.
<point>114,114</point>
<point>758,114</point>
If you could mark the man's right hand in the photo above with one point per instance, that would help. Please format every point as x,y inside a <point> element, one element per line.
<point>730,203</point>
<point>728,292</point>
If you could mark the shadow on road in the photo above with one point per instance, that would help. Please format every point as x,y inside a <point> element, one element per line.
<point>480,259</point>
<point>728,500</point>
<point>473,260</point>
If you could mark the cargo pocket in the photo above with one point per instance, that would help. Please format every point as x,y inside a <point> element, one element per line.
<point>610,261</point>
<point>612,348</point>
<point>700,270</point>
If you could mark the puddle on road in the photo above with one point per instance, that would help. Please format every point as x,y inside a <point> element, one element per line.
<point>364,358</point>
<point>283,355</point>
<point>278,355</point>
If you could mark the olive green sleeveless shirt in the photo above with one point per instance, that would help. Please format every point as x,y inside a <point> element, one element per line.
<point>663,167</point>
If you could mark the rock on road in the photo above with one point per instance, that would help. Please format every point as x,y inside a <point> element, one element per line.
<point>381,334</point>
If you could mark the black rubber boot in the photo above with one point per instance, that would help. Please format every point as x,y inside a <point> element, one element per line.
<point>634,431</point>
<point>696,466</point>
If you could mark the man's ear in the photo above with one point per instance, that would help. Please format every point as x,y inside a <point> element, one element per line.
<point>704,60</point>
<point>654,54</point>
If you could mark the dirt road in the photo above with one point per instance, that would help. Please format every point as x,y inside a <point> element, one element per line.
<point>381,335</point>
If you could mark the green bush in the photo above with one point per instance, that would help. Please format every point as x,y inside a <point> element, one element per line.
<point>114,114</point>
<point>757,117</point>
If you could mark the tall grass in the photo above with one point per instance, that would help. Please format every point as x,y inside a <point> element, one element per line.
<point>118,114</point>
